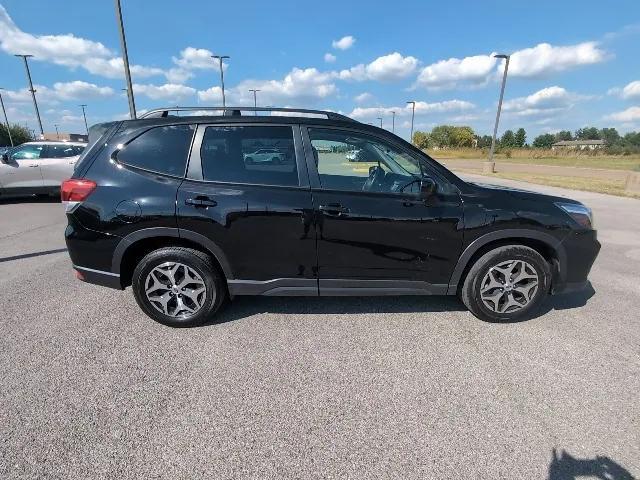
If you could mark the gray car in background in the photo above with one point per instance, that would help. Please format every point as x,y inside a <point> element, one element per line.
<point>38,167</point>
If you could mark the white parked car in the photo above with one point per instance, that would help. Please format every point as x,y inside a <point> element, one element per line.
<point>264,155</point>
<point>38,167</point>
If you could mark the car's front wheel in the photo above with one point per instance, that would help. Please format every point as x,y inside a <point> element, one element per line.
<point>177,286</point>
<point>506,284</point>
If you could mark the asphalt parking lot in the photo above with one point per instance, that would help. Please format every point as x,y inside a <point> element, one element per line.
<point>314,388</point>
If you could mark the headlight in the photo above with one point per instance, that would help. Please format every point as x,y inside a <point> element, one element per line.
<point>580,213</point>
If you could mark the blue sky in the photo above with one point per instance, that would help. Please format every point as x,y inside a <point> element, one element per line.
<point>573,64</point>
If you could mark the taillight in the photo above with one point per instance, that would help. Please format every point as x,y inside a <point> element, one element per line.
<point>76,190</point>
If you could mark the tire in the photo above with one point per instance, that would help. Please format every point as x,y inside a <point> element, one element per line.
<point>488,294</point>
<point>181,304</point>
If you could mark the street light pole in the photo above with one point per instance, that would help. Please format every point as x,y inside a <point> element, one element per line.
<point>6,120</point>
<point>85,118</point>
<point>57,133</point>
<point>393,122</point>
<point>220,59</point>
<point>413,114</point>
<point>255,101</point>
<point>380,118</point>
<point>125,60</point>
<point>33,92</point>
<point>495,128</point>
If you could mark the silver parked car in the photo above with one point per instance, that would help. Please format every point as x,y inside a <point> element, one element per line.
<point>38,167</point>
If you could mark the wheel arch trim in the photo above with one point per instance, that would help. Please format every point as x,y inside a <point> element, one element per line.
<point>146,233</point>
<point>512,233</point>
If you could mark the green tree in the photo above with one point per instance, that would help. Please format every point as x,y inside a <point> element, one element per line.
<point>632,138</point>
<point>508,139</point>
<point>520,137</point>
<point>441,136</point>
<point>462,137</point>
<point>19,134</point>
<point>610,136</point>
<point>484,141</point>
<point>588,133</point>
<point>544,141</point>
<point>421,139</point>
<point>563,135</point>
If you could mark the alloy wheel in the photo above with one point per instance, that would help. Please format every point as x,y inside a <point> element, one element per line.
<point>175,289</point>
<point>509,286</point>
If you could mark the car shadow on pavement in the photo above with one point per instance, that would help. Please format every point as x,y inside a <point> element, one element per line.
<point>568,467</point>
<point>30,255</point>
<point>243,307</point>
<point>247,306</point>
<point>9,200</point>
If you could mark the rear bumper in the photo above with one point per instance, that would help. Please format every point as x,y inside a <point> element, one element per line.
<point>581,250</point>
<point>97,277</point>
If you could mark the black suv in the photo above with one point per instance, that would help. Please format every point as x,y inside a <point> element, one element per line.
<point>187,211</point>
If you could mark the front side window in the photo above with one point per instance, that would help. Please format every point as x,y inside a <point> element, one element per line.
<point>353,162</point>
<point>160,149</point>
<point>263,155</point>
<point>27,152</point>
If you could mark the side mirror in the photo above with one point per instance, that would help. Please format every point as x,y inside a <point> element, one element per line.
<point>5,158</point>
<point>427,188</point>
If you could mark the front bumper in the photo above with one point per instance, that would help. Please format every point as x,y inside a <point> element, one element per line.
<point>581,248</point>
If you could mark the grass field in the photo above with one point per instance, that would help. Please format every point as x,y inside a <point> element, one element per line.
<point>545,157</point>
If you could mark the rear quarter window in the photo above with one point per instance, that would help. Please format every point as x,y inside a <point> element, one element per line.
<point>160,149</point>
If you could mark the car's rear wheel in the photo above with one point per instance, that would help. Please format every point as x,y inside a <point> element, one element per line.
<point>506,284</point>
<point>177,286</point>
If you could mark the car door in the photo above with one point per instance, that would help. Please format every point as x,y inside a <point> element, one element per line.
<point>375,233</point>
<point>21,174</point>
<point>257,215</point>
<point>57,163</point>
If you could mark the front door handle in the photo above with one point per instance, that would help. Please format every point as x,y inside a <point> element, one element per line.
<point>34,166</point>
<point>201,201</point>
<point>333,209</point>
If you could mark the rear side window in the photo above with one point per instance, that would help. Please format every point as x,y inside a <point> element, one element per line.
<point>160,149</point>
<point>263,155</point>
<point>63,151</point>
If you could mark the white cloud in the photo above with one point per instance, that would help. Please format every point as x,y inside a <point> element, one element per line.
<point>539,61</point>
<point>363,97</point>
<point>631,91</point>
<point>329,58</point>
<point>298,88</point>
<point>344,43</point>
<point>422,108</point>
<point>384,69</point>
<point>67,50</point>
<point>631,114</point>
<point>545,101</point>
<point>196,59</point>
<point>168,91</point>
<point>76,90</point>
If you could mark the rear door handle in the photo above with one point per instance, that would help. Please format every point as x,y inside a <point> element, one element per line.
<point>201,201</point>
<point>334,209</point>
<point>34,166</point>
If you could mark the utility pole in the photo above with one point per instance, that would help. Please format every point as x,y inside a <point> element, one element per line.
<point>255,101</point>
<point>33,92</point>
<point>380,118</point>
<point>6,120</point>
<point>413,114</point>
<point>125,61</point>
<point>495,128</point>
<point>220,59</point>
<point>85,118</point>
<point>57,133</point>
<point>393,122</point>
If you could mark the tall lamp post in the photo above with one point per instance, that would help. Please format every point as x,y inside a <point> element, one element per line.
<point>393,122</point>
<point>255,100</point>
<point>220,59</point>
<point>380,118</point>
<point>6,120</point>
<point>125,60</point>
<point>33,92</point>
<point>57,133</point>
<point>413,114</point>
<point>85,118</point>
<point>495,128</point>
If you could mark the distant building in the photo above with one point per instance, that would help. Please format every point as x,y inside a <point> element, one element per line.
<point>579,144</point>
<point>68,137</point>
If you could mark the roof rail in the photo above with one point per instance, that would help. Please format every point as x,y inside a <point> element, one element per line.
<point>237,111</point>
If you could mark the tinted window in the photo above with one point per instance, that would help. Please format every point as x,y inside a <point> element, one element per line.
<point>161,149</point>
<point>62,151</point>
<point>27,152</point>
<point>349,161</point>
<point>260,155</point>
